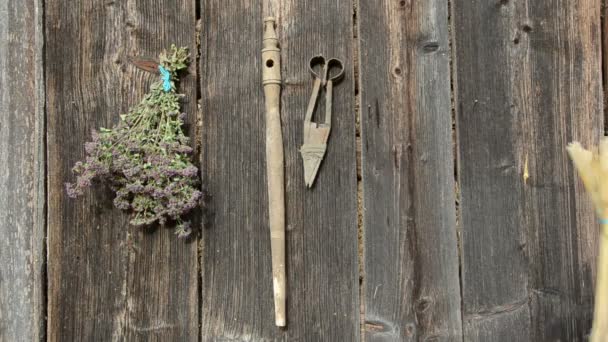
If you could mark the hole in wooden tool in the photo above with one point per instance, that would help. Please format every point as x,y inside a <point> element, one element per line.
<point>270,63</point>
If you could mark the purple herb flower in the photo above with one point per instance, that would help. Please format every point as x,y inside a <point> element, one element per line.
<point>183,230</point>
<point>189,171</point>
<point>72,190</point>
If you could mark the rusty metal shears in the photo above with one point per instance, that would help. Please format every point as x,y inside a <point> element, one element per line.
<point>316,135</point>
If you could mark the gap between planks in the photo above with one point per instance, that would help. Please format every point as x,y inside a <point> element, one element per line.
<point>359,161</point>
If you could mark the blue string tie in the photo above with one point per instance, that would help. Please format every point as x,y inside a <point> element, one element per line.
<point>604,221</point>
<point>165,75</point>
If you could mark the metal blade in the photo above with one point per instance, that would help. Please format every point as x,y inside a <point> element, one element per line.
<point>312,156</point>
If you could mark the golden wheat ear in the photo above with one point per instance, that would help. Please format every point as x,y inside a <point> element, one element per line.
<point>588,164</point>
<point>603,176</point>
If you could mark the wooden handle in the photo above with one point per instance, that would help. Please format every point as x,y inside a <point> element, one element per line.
<point>274,164</point>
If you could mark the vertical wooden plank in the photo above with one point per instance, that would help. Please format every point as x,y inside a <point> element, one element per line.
<point>22,221</point>
<point>528,82</point>
<point>235,254</point>
<point>321,223</point>
<point>412,290</point>
<point>107,280</point>
<point>604,22</point>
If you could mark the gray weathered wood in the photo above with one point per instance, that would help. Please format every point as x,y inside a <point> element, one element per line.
<point>22,221</point>
<point>321,222</point>
<point>412,290</point>
<point>528,81</point>
<point>108,280</point>
<point>605,63</point>
<point>323,278</point>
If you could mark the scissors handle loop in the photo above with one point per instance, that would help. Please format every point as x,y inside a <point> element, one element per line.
<point>330,70</point>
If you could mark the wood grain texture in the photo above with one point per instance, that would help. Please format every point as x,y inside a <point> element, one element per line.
<point>22,221</point>
<point>108,280</point>
<point>321,223</point>
<point>412,290</point>
<point>605,63</point>
<point>528,81</point>
<point>322,248</point>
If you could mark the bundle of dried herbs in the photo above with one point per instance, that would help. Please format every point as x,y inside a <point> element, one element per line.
<point>146,158</point>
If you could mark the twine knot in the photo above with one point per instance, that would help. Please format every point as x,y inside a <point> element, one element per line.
<point>165,75</point>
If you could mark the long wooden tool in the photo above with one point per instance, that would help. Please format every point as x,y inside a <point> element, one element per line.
<point>274,166</point>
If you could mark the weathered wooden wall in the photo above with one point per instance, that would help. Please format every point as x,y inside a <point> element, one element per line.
<point>465,223</point>
<point>528,81</point>
<point>411,287</point>
<point>107,280</point>
<point>22,190</point>
<point>321,223</point>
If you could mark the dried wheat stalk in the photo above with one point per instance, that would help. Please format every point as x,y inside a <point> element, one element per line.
<point>592,167</point>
